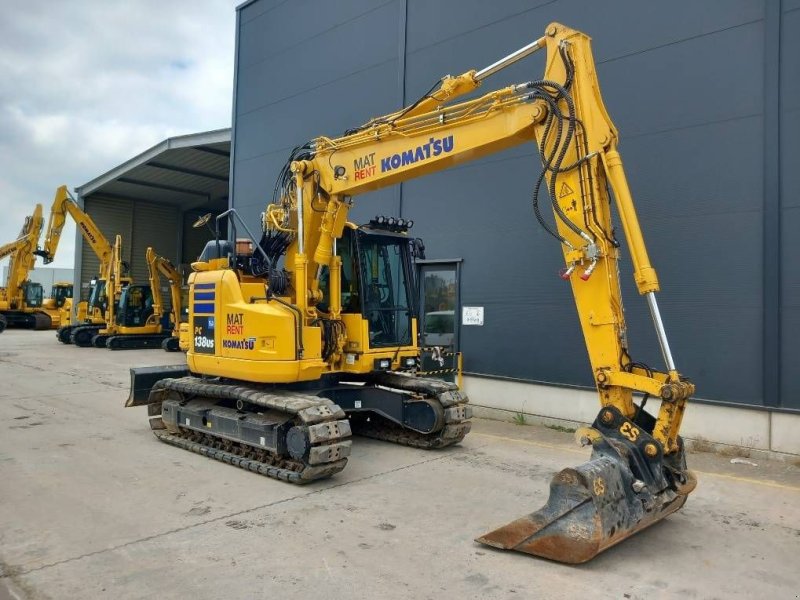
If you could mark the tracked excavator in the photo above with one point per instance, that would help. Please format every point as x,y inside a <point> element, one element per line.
<point>22,302</point>
<point>288,358</point>
<point>132,312</point>
<point>90,314</point>
<point>105,295</point>
<point>137,315</point>
<point>159,267</point>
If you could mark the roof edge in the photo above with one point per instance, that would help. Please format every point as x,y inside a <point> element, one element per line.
<point>215,136</point>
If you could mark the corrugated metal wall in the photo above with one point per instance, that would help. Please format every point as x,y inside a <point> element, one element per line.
<point>141,225</point>
<point>705,95</point>
<point>112,217</point>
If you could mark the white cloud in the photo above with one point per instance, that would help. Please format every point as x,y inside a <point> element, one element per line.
<point>89,84</point>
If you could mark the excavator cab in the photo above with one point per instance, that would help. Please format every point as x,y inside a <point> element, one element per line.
<point>377,282</point>
<point>135,306</point>
<point>380,286</point>
<point>97,296</point>
<point>61,293</point>
<point>33,294</point>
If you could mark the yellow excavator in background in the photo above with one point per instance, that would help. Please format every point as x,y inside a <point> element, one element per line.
<point>61,300</point>
<point>132,312</point>
<point>117,310</point>
<point>287,358</point>
<point>22,302</point>
<point>90,314</point>
<point>157,267</point>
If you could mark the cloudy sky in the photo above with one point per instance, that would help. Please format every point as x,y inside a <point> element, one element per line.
<point>86,84</point>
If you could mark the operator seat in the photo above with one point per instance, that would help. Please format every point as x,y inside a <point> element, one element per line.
<point>214,249</point>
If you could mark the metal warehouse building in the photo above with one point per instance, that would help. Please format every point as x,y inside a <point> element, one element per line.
<point>153,199</point>
<point>706,96</point>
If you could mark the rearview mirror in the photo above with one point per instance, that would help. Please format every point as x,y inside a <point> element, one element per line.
<point>201,221</point>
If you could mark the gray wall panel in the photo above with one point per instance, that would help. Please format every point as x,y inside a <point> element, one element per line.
<point>256,9</point>
<point>288,123</point>
<point>683,82</point>
<point>790,313</point>
<point>278,30</point>
<point>286,74</point>
<point>790,203</point>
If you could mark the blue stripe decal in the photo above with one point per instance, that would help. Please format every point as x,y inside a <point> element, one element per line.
<point>204,309</point>
<point>203,296</point>
<point>204,286</point>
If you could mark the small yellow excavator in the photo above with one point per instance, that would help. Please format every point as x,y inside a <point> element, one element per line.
<point>158,267</point>
<point>90,315</point>
<point>287,358</point>
<point>105,295</point>
<point>22,302</point>
<point>134,316</point>
<point>61,300</point>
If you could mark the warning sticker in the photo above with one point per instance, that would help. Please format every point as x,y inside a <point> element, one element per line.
<point>565,191</point>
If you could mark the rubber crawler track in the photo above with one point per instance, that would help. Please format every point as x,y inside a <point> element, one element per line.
<point>307,410</point>
<point>454,403</point>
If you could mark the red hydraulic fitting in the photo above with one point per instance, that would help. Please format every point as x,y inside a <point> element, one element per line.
<point>589,270</point>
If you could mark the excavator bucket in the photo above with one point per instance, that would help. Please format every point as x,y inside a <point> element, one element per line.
<point>626,486</point>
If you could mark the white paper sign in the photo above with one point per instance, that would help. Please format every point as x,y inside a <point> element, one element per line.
<point>472,315</point>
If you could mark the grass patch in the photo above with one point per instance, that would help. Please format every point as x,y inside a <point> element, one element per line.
<point>701,445</point>
<point>561,428</point>
<point>519,419</point>
<point>735,451</point>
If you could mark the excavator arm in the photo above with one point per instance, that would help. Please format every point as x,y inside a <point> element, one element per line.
<point>21,262</point>
<point>637,474</point>
<point>64,205</point>
<point>158,267</point>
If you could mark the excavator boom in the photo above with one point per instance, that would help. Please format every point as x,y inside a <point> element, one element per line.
<point>637,474</point>
<point>90,315</point>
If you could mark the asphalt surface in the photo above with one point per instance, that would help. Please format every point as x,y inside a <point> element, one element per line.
<point>93,506</point>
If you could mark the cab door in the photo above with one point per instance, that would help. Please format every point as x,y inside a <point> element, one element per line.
<point>439,317</point>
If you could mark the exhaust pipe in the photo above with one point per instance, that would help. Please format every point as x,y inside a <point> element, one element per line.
<point>626,486</point>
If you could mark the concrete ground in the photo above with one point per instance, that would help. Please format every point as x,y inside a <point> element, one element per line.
<point>93,506</point>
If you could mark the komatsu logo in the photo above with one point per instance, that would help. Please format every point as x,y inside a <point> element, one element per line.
<point>434,147</point>
<point>245,344</point>
<point>88,233</point>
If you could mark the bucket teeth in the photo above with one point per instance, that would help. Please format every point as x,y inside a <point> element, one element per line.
<point>594,506</point>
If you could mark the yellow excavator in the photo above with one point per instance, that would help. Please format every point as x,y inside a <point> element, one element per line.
<point>105,296</point>
<point>90,314</point>
<point>287,358</point>
<point>158,267</point>
<point>22,302</point>
<point>179,303</point>
<point>61,300</point>
<point>133,313</point>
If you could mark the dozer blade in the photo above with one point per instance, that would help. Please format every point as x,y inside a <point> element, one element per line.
<point>618,492</point>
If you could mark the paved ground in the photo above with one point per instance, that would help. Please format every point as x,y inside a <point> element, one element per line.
<point>92,506</point>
